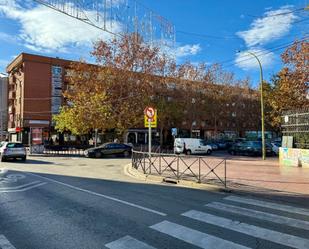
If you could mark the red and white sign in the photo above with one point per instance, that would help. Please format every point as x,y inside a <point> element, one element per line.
<point>37,137</point>
<point>149,112</point>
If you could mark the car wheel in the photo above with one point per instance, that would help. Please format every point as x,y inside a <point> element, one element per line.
<point>2,159</point>
<point>209,152</point>
<point>232,152</point>
<point>97,155</point>
<point>126,154</point>
<point>188,152</point>
<point>23,158</point>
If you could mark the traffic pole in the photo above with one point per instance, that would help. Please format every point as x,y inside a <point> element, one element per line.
<point>149,138</point>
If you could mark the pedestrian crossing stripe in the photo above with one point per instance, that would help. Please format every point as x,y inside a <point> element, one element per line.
<point>194,237</point>
<point>204,240</point>
<point>260,215</point>
<point>251,230</point>
<point>128,242</point>
<point>271,205</point>
<point>4,243</point>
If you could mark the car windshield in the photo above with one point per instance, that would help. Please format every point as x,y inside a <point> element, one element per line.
<point>14,145</point>
<point>103,145</point>
<point>253,143</point>
<point>203,142</point>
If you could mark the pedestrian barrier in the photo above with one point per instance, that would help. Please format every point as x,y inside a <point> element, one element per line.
<point>181,167</point>
<point>64,152</point>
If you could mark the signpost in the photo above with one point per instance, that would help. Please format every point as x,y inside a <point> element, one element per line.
<point>150,117</point>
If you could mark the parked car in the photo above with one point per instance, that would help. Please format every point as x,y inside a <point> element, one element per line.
<point>213,146</point>
<point>109,149</point>
<point>12,150</point>
<point>275,147</point>
<point>250,148</point>
<point>222,145</point>
<point>191,146</point>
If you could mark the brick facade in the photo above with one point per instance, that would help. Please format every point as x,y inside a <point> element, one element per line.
<point>30,94</point>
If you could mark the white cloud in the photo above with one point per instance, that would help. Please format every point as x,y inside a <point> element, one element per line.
<point>274,24</point>
<point>246,61</point>
<point>177,50</point>
<point>44,29</point>
<point>7,38</point>
<point>187,50</point>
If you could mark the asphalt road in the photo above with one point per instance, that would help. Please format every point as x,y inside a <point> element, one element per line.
<point>51,203</point>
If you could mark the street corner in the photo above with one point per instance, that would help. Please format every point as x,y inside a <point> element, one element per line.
<point>15,181</point>
<point>134,173</point>
<point>154,179</point>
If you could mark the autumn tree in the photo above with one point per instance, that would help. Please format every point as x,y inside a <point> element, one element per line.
<point>129,75</point>
<point>289,88</point>
<point>113,93</point>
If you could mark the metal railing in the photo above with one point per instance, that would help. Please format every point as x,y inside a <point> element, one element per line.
<point>181,167</point>
<point>66,152</point>
<point>55,150</point>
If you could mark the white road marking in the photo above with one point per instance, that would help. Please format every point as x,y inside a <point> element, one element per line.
<point>4,243</point>
<point>20,186</point>
<point>23,189</point>
<point>260,215</point>
<point>3,171</point>
<point>101,195</point>
<point>11,178</point>
<point>194,237</point>
<point>128,242</point>
<point>270,205</point>
<point>255,231</point>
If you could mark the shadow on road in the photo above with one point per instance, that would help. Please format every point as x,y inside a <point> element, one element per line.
<point>33,161</point>
<point>148,192</point>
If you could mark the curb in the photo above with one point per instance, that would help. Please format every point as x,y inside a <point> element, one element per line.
<point>55,155</point>
<point>3,171</point>
<point>134,173</point>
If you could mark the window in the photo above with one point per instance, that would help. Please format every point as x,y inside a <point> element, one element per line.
<point>110,146</point>
<point>14,145</point>
<point>203,142</point>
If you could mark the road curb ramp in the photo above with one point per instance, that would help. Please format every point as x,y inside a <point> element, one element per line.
<point>134,173</point>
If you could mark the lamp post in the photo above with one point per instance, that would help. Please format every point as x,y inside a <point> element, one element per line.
<point>193,116</point>
<point>262,103</point>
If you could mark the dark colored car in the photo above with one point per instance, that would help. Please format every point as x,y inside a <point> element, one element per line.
<point>250,148</point>
<point>109,149</point>
<point>223,145</point>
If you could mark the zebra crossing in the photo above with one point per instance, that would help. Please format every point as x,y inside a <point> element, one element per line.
<point>242,212</point>
<point>4,243</point>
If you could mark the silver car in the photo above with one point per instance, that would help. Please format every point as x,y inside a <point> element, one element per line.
<point>12,150</point>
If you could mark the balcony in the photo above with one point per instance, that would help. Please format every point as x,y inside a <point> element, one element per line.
<point>12,95</point>
<point>12,88</point>
<point>11,109</point>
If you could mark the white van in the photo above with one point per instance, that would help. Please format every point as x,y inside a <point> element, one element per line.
<point>191,146</point>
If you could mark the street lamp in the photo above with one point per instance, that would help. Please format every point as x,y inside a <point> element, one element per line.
<point>193,116</point>
<point>262,102</point>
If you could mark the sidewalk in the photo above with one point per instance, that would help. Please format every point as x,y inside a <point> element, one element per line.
<point>247,173</point>
<point>268,174</point>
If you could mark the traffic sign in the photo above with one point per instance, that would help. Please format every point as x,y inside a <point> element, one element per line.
<point>174,132</point>
<point>153,120</point>
<point>149,112</point>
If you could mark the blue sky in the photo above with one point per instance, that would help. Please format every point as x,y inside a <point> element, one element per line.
<point>206,31</point>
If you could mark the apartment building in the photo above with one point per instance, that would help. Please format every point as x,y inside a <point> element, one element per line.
<point>3,105</point>
<point>36,83</point>
<point>34,95</point>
